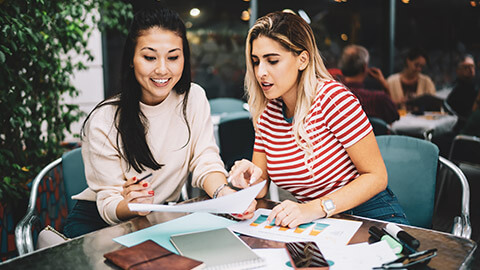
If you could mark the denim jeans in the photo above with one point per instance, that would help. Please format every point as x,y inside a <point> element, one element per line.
<point>383,206</point>
<point>83,219</point>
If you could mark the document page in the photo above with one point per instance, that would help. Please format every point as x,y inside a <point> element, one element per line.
<point>233,203</point>
<point>327,230</point>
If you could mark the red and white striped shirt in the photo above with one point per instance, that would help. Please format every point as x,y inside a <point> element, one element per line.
<point>335,122</point>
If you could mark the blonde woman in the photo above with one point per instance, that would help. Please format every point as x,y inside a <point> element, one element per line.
<point>312,137</point>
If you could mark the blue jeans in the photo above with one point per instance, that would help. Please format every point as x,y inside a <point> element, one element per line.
<point>383,206</point>
<point>83,219</point>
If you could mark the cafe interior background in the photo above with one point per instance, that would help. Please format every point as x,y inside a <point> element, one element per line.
<point>217,29</point>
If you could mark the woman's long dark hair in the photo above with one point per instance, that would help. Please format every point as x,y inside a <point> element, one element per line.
<point>131,123</point>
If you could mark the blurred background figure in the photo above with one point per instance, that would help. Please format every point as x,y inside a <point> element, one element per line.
<point>472,126</point>
<point>462,97</point>
<point>354,66</point>
<point>410,83</point>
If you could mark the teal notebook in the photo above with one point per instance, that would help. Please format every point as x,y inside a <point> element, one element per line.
<point>218,249</point>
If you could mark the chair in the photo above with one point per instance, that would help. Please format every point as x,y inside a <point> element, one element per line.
<point>412,166</point>
<point>465,153</point>
<point>236,137</point>
<point>62,178</point>
<point>465,149</point>
<point>380,127</point>
<point>50,198</point>
<point>226,105</point>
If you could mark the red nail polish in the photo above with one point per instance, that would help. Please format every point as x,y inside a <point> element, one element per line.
<point>245,213</point>
<point>240,215</point>
<point>151,192</point>
<point>134,178</point>
<point>145,184</point>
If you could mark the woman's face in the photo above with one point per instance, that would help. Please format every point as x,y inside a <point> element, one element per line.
<point>416,65</point>
<point>158,63</point>
<point>276,68</point>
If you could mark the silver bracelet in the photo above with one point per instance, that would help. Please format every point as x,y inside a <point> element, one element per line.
<point>215,194</point>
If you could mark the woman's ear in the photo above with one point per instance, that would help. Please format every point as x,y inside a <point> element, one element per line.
<point>303,59</point>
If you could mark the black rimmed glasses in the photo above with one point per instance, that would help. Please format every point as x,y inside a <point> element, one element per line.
<point>410,260</point>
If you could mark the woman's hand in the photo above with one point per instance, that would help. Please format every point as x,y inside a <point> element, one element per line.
<point>248,213</point>
<point>291,214</point>
<point>137,192</point>
<point>244,173</point>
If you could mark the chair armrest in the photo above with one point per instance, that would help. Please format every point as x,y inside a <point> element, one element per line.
<point>462,226</point>
<point>23,230</point>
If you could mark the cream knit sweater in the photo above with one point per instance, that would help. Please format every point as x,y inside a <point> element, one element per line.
<point>167,136</point>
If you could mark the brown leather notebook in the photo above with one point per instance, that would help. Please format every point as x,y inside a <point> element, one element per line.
<point>150,255</point>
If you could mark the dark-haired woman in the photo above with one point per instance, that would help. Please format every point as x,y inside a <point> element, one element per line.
<point>410,82</point>
<point>159,123</point>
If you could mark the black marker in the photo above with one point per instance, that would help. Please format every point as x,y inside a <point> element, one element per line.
<point>402,236</point>
<point>143,178</point>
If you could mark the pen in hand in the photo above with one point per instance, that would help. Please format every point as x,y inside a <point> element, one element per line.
<point>143,178</point>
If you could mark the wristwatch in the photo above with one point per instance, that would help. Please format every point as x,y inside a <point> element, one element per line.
<point>328,206</point>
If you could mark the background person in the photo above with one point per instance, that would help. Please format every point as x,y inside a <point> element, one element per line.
<point>410,83</point>
<point>354,66</point>
<point>159,123</point>
<point>312,137</point>
<point>464,92</point>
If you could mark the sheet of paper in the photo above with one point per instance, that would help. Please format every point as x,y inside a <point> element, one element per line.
<point>236,202</point>
<point>276,258</point>
<point>161,233</point>
<point>358,256</point>
<point>328,230</point>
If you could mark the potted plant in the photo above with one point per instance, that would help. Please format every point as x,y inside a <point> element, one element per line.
<point>37,42</point>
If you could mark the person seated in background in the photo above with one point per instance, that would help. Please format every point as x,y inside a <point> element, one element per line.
<point>410,83</point>
<point>312,137</point>
<point>472,126</point>
<point>354,66</point>
<point>464,92</point>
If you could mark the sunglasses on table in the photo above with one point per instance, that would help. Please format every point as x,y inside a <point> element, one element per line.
<point>410,260</point>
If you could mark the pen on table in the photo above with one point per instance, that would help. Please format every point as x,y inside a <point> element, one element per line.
<point>143,178</point>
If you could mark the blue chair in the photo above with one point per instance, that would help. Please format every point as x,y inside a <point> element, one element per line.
<point>380,127</point>
<point>50,198</point>
<point>226,105</point>
<point>412,166</point>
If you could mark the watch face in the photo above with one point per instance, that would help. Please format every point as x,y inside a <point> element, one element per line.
<point>329,204</point>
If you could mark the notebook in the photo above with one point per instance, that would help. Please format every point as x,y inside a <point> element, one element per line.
<point>218,249</point>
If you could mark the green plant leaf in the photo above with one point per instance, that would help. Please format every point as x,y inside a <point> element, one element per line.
<point>33,119</point>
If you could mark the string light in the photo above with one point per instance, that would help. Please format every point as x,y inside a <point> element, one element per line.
<point>245,15</point>
<point>194,12</point>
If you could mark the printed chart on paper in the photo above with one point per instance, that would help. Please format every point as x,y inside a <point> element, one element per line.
<point>328,230</point>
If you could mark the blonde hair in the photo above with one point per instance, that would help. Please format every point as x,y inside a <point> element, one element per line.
<point>294,34</point>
